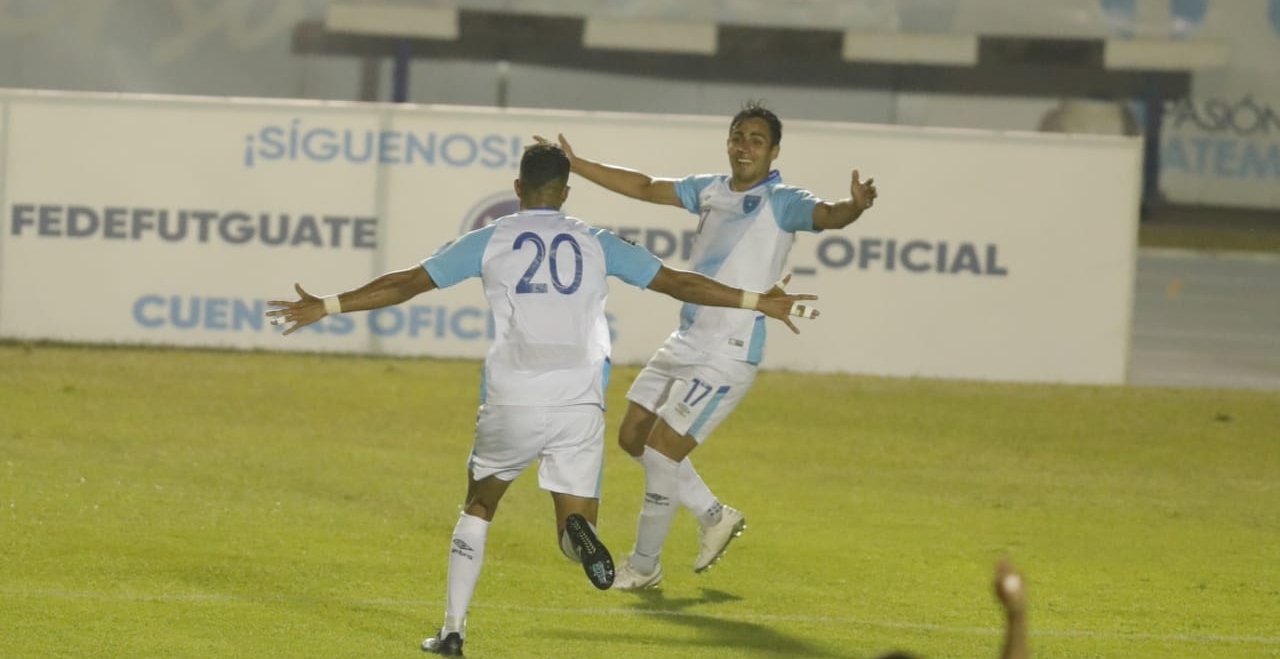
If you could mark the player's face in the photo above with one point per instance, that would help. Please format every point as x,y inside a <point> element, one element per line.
<point>751,151</point>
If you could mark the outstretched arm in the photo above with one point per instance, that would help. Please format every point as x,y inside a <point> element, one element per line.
<point>383,291</point>
<point>1011,591</point>
<point>629,182</point>
<point>840,214</point>
<point>696,288</point>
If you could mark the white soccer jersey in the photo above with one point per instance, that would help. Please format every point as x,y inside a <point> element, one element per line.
<point>743,241</point>
<point>544,274</point>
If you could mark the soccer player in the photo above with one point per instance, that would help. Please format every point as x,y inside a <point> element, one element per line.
<point>544,275</point>
<point>747,222</point>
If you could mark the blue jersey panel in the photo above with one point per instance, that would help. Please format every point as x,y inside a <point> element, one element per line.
<point>458,259</point>
<point>689,187</point>
<point>627,261</point>
<point>793,208</point>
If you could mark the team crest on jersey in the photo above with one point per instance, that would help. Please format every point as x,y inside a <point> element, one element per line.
<point>750,203</point>
<point>485,211</point>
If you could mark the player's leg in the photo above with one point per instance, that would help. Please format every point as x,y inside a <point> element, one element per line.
<point>665,449</point>
<point>721,384</point>
<point>466,556</point>
<point>710,389</point>
<point>495,462</point>
<point>693,492</point>
<point>636,425</point>
<point>578,540</point>
<point>649,392</point>
<point>645,395</point>
<point>570,469</point>
<point>566,504</point>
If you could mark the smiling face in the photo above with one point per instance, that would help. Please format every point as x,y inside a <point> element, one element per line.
<point>752,149</point>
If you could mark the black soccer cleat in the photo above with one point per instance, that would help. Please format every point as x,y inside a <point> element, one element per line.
<point>596,561</point>
<point>450,645</point>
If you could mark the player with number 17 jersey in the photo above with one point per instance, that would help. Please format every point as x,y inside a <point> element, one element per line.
<point>555,348</point>
<point>743,240</point>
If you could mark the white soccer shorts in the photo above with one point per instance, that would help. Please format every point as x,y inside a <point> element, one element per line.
<point>692,390</point>
<point>567,441</point>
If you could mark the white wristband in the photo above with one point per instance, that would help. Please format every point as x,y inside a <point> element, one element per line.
<point>331,305</point>
<point>749,300</point>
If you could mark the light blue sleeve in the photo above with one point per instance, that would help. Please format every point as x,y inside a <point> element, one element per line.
<point>458,259</point>
<point>689,187</point>
<point>793,208</point>
<point>625,260</point>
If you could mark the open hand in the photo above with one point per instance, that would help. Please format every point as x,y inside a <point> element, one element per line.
<point>779,305</point>
<point>305,310</point>
<point>564,146</point>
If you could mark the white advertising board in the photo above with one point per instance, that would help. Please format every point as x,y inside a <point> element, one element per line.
<point>988,255</point>
<point>138,222</point>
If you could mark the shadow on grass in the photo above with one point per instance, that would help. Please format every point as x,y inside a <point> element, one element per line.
<point>751,638</point>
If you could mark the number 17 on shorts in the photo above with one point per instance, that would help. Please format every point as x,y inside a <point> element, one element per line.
<point>694,407</point>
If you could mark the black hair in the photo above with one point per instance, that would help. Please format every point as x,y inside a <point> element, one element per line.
<point>754,109</point>
<point>542,164</point>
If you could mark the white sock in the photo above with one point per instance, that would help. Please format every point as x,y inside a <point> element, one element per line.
<point>694,493</point>
<point>660,492</point>
<point>466,555</point>
<point>567,548</point>
<point>696,496</point>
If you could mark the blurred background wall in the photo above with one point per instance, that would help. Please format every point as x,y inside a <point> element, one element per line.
<point>1210,113</point>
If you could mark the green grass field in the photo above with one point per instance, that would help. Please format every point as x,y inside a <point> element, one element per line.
<point>168,503</point>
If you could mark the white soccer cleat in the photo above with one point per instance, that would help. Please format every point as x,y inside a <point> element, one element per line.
<point>714,539</point>
<point>629,578</point>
